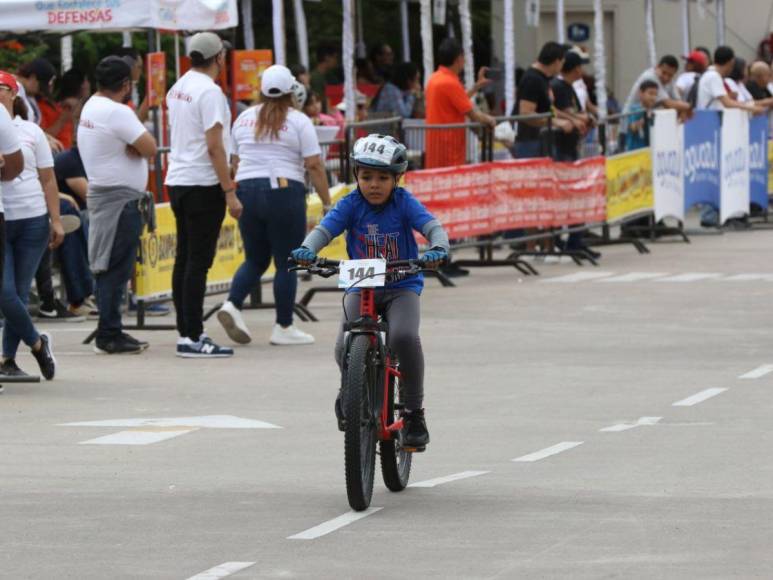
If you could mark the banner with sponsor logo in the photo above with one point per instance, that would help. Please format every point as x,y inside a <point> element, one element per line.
<point>487,198</point>
<point>62,15</point>
<point>248,66</point>
<point>155,63</point>
<point>758,160</point>
<point>668,182</point>
<point>629,184</point>
<point>702,159</point>
<point>734,164</point>
<point>153,275</point>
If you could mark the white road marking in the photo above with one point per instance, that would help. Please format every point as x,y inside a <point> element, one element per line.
<point>448,478</point>
<point>207,421</point>
<point>222,571</point>
<point>760,371</point>
<point>634,277</point>
<point>577,277</point>
<point>137,437</point>
<point>691,277</point>
<point>547,452</point>
<point>335,524</point>
<point>642,422</point>
<point>749,278</point>
<point>698,397</point>
<point>147,431</point>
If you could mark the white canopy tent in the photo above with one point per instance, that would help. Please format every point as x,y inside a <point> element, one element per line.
<point>53,16</point>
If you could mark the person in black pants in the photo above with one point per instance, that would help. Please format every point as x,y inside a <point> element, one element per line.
<point>567,137</point>
<point>200,187</point>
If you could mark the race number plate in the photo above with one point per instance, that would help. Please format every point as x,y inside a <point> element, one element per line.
<point>362,273</point>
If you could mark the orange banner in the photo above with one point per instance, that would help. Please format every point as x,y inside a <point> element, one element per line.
<point>156,78</point>
<point>247,66</point>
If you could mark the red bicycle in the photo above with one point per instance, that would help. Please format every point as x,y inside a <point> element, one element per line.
<point>371,393</point>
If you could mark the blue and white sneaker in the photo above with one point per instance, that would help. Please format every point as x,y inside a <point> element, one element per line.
<point>204,348</point>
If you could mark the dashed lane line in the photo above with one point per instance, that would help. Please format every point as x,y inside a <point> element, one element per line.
<point>222,571</point>
<point>577,277</point>
<point>448,478</point>
<point>690,277</point>
<point>634,277</point>
<point>549,451</point>
<point>698,397</point>
<point>757,373</point>
<point>330,526</point>
<point>642,422</point>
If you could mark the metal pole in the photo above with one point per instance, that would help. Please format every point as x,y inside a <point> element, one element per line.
<point>720,22</point>
<point>406,30</point>
<point>153,45</point>
<point>247,29</point>
<point>600,58</point>
<point>426,40</point>
<point>686,27</point>
<point>649,19</point>
<point>509,58</point>
<point>560,22</point>
<point>361,50</point>
<point>278,17</point>
<point>301,33</point>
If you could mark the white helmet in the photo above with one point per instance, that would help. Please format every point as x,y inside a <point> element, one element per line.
<point>299,90</point>
<point>276,80</point>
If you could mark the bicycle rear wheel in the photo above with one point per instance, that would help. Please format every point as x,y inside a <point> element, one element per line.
<point>360,433</point>
<point>395,461</point>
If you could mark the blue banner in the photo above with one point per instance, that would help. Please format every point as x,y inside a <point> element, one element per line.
<point>758,160</point>
<point>701,159</point>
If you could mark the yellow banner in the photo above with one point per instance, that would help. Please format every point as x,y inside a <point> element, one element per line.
<point>770,166</point>
<point>153,276</point>
<point>629,184</point>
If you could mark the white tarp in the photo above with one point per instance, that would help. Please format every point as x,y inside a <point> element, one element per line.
<point>64,15</point>
<point>600,58</point>
<point>509,35</point>
<point>302,35</point>
<point>560,22</point>
<point>278,20</point>
<point>667,165</point>
<point>649,20</point>
<point>469,63</point>
<point>348,58</point>
<point>734,165</point>
<point>426,40</point>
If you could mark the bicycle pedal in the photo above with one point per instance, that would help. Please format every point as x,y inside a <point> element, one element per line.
<point>414,449</point>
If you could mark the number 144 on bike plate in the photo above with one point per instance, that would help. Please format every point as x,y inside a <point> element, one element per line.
<point>362,273</point>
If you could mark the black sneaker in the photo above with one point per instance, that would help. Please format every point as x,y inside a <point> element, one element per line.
<point>57,312</point>
<point>45,357</point>
<point>129,338</point>
<point>10,369</point>
<point>117,345</point>
<point>414,433</point>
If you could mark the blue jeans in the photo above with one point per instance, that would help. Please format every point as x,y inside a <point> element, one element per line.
<point>272,225</point>
<point>74,259</point>
<point>111,284</point>
<point>527,149</point>
<point>25,242</point>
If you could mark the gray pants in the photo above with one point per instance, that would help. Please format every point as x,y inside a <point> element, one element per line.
<point>401,309</point>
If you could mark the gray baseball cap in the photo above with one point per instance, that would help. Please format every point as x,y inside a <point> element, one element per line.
<point>207,44</point>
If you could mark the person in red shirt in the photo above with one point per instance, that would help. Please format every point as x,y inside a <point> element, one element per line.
<point>447,102</point>
<point>58,117</point>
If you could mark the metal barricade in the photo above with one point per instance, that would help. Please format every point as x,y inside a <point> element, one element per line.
<point>446,145</point>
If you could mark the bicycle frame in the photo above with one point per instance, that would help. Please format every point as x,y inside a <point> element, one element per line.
<point>369,314</point>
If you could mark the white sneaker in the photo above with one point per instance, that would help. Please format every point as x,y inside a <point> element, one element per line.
<point>233,323</point>
<point>290,336</point>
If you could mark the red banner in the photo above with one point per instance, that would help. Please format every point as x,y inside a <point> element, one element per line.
<point>486,198</point>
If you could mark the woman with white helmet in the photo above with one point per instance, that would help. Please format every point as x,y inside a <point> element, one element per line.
<point>273,143</point>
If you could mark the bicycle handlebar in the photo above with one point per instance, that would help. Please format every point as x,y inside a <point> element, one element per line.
<point>327,268</point>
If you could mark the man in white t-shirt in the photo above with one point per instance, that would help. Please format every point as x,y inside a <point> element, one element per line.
<point>114,147</point>
<point>712,91</point>
<point>695,65</point>
<point>200,187</point>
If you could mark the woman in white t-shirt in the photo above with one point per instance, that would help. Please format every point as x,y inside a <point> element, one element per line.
<point>28,201</point>
<point>272,145</point>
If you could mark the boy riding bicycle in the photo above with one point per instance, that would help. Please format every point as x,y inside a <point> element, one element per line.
<point>379,219</point>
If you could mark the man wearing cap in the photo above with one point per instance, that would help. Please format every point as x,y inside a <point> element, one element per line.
<point>114,147</point>
<point>695,65</point>
<point>200,187</point>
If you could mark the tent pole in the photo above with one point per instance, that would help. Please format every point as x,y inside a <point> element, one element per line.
<point>406,31</point>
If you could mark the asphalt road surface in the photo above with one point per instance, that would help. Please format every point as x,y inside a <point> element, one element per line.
<point>609,422</point>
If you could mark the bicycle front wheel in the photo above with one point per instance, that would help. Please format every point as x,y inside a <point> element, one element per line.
<point>360,433</point>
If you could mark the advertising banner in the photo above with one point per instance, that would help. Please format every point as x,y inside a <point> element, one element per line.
<point>629,185</point>
<point>522,193</point>
<point>156,78</point>
<point>153,275</point>
<point>580,194</point>
<point>667,172</point>
<point>63,15</point>
<point>758,160</point>
<point>702,159</point>
<point>734,164</point>
<point>248,66</point>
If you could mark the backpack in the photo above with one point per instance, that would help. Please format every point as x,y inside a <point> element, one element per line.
<point>692,94</point>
